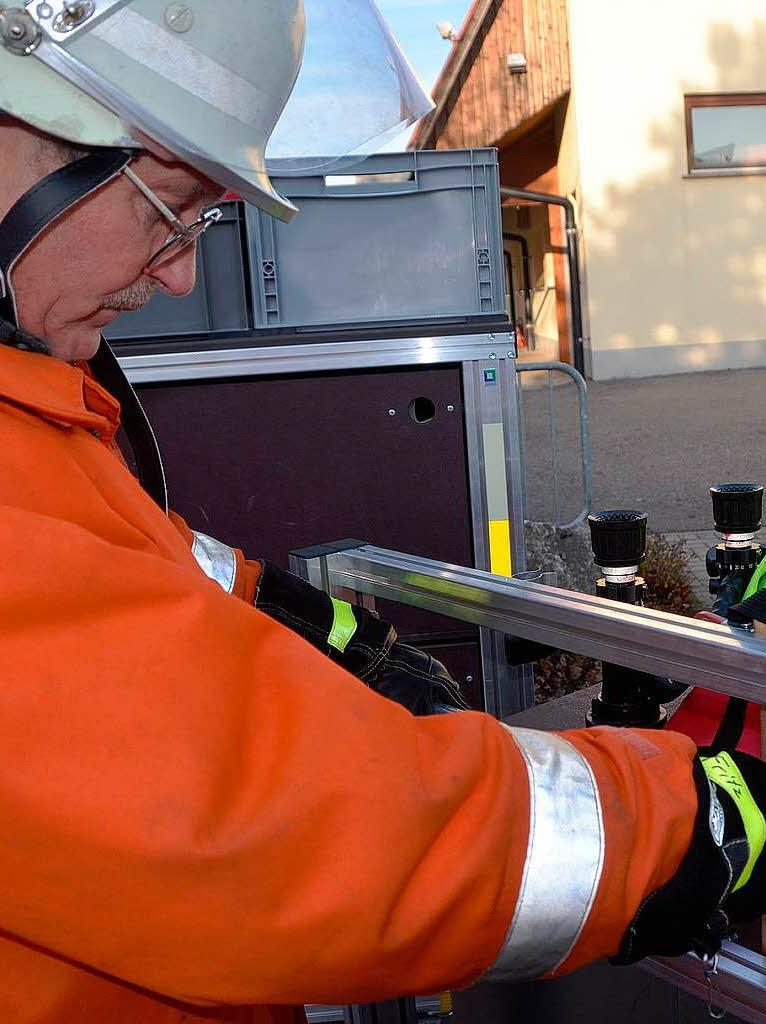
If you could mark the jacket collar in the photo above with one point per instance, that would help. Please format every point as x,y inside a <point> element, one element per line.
<point>59,392</point>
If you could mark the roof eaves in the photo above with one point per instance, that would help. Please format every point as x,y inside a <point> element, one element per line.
<point>449,77</point>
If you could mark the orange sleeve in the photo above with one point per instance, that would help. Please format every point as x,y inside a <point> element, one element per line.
<point>610,817</point>
<point>649,805</point>
<point>196,801</point>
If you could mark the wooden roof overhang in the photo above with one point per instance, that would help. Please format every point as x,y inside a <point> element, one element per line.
<point>479,102</point>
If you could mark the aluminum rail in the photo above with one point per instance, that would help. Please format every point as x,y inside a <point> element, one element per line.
<point>739,987</point>
<point>228,360</point>
<point>698,653</point>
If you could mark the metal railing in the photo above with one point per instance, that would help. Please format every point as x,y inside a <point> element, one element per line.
<point>573,261</point>
<point>587,467</point>
<point>686,650</point>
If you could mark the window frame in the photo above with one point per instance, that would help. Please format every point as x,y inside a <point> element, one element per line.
<point>718,99</point>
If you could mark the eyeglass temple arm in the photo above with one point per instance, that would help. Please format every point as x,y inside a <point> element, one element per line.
<point>155,200</point>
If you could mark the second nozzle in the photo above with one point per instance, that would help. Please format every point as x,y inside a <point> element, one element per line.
<point>618,538</point>
<point>737,508</point>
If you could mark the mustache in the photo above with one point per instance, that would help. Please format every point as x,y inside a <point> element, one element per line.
<point>132,298</point>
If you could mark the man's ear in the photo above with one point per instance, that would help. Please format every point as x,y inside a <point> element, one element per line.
<point>760,627</point>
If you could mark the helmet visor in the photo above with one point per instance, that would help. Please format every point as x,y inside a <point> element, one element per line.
<point>355,91</point>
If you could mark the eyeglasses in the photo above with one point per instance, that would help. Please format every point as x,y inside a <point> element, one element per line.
<point>181,236</point>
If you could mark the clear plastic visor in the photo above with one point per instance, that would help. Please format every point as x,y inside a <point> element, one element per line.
<point>355,92</point>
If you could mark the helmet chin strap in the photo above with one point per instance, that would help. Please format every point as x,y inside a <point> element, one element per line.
<point>108,372</point>
<point>43,204</point>
<point>25,221</point>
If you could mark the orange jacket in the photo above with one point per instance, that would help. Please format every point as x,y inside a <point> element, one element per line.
<point>200,810</point>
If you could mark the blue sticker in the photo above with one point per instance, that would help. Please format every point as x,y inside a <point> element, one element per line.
<point>490,376</point>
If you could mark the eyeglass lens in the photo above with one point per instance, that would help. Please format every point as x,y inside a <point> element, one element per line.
<point>177,242</point>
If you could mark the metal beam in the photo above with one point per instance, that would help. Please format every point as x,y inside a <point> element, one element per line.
<point>739,985</point>
<point>262,361</point>
<point>699,653</point>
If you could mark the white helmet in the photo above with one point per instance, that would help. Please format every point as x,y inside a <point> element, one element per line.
<point>209,80</point>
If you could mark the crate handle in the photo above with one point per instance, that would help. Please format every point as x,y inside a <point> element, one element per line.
<point>388,183</point>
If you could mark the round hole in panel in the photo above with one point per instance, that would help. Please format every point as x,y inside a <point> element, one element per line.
<point>422,410</point>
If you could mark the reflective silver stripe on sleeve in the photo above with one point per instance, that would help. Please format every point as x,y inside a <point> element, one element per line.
<point>216,560</point>
<point>564,862</point>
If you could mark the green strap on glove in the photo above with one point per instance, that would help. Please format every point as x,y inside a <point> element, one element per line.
<point>344,625</point>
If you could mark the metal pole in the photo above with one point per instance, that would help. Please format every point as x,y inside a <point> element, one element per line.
<point>529,322</point>
<point>488,412</point>
<point>518,687</point>
<point>554,452</point>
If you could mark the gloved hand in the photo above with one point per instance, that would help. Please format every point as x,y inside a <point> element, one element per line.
<point>740,785</point>
<point>360,642</point>
<point>417,681</point>
<point>722,879</point>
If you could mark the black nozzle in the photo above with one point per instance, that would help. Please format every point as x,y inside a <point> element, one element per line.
<point>618,537</point>
<point>737,508</point>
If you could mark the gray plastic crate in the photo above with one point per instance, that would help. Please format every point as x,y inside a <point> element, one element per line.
<point>400,238</point>
<point>218,304</point>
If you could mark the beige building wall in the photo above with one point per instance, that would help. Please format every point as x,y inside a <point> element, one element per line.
<point>675,266</point>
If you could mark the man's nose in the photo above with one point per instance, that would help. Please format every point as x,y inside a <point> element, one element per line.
<point>177,275</point>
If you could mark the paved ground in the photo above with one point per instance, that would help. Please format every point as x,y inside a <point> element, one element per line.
<point>658,444</point>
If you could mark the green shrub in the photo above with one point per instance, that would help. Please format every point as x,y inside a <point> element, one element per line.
<point>668,576</point>
<point>564,673</point>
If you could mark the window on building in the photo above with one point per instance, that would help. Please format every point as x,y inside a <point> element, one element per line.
<point>726,132</point>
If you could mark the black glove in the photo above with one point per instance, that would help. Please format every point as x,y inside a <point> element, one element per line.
<point>722,879</point>
<point>418,682</point>
<point>360,642</point>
